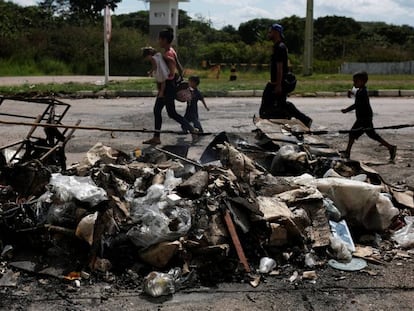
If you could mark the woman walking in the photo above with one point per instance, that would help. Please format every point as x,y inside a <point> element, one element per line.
<point>165,39</point>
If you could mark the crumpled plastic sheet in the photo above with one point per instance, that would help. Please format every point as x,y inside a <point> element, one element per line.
<point>158,284</point>
<point>405,236</point>
<point>340,249</point>
<point>153,217</point>
<point>83,189</point>
<point>359,202</point>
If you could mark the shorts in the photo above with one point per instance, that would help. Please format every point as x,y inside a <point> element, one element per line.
<point>363,126</point>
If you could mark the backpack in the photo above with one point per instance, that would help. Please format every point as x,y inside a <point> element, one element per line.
<point>289,82</point>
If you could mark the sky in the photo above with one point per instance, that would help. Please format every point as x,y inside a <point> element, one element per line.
<point>234,12</point>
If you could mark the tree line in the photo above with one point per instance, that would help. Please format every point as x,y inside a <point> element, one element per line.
<point>66,37</point>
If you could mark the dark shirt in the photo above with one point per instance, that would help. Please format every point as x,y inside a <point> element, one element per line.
<point>196,96</point>
<point>192,107</point>
<point>361,105</point>
<point>280,55</point>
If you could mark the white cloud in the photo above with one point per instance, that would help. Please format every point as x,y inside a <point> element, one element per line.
<point>390,11</point>
<point>248,12</point>
<point>24,2</point>
<point>235,12</point>
<point>224,3</point>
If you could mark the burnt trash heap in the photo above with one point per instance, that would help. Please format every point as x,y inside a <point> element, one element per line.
<point>274,202</point>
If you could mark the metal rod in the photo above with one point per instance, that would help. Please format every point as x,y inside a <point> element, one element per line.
<point>95,128</point>
<point>179,157</point>
<point>236,241</point>
<point>133,130</point>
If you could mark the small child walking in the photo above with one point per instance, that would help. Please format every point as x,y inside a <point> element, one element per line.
<point>159,68</point>
<point>364,116</point>
<point>191,112</point>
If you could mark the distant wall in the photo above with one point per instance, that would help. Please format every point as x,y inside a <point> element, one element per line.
<point>379,68</point>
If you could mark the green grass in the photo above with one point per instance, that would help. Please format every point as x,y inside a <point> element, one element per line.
<point>10,67</point>
<point>246,80</point>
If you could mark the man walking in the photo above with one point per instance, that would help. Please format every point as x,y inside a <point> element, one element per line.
<point>274,101</point>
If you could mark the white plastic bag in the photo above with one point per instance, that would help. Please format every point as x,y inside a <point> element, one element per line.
<point>157,223</point>
<point>267,264</point>
<point>333,213</point>
<point>340,249</point>
<point>171,181</point>
<point>158,284</point>
<point>81,188</point>
<point>155,193</point>
<point>405,236</point>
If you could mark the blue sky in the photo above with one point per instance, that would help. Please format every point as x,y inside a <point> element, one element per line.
<point>234,12</point>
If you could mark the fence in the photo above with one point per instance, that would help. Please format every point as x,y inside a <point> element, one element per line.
<point>379,68</point>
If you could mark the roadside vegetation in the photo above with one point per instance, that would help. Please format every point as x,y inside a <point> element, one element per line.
<point>211,85</point>
<point>64,37</point>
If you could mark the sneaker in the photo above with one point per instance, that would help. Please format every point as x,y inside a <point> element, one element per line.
<point>194,134</point>
<point>152,141</point>
<point>393,153</point>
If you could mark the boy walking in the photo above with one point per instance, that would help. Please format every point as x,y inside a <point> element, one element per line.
<point>191,112</point>
<point>364,116</point>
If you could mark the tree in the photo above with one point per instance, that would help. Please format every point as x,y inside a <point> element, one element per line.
<point>138,20</point>
<point>183,19</point>
<point>294,30</point>
<point>255,30</point>
<point>55,7</point>
<point>334,37</point>
<point>338,26</point>
<point>395,34</point>
<point>78,10</point>
<point>66,36</point>
<point>231,33</point>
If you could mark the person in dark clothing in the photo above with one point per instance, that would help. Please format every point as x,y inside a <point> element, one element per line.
<point>165,39</point>
<point>274,100</point>
<point>364,116</point>
<point>191,112</point>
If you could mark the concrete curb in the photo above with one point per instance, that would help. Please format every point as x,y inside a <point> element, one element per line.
<point>238,93</point>
<point>407,93</point>
<point>389,93</point>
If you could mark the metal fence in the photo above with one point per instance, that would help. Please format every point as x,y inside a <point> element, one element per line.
<point>379,68</point>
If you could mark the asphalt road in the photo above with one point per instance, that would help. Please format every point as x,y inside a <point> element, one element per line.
<point>231,115</point>
<point>383,287</point>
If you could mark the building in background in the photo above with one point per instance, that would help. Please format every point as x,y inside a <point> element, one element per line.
<point>163,13</point>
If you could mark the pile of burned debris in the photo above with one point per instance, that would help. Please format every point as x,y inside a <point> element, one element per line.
<point>250,207</point>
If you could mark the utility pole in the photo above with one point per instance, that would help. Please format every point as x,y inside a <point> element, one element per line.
<point>107,38</point>
<point>308,54</point>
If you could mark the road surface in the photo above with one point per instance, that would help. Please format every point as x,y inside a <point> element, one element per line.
<point>380,287</point>
<point>231,115</point>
